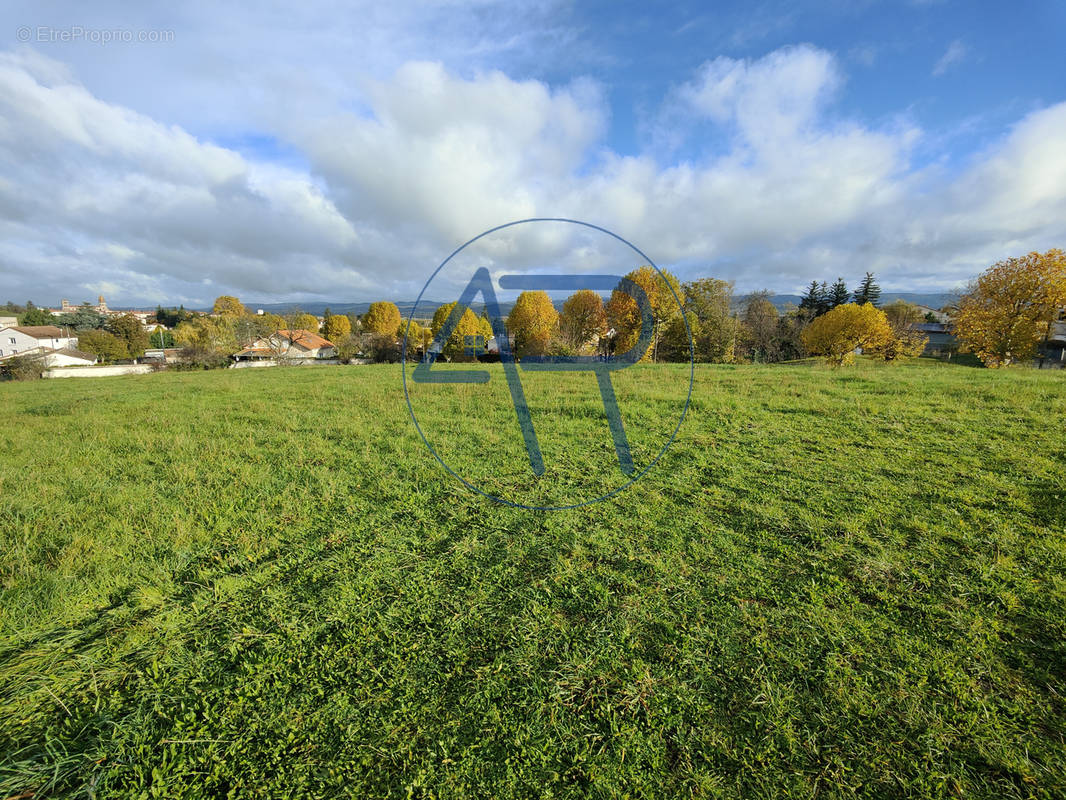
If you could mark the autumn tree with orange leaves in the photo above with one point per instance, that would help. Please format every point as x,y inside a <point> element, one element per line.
<point>1009,308</point>
<point>582,319</point>
<point>623,314</point>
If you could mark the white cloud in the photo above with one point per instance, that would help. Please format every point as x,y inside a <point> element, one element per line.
<point>768,99</point>
<point>82,174</point>
<point>954,55</point>
<point>415,162</point>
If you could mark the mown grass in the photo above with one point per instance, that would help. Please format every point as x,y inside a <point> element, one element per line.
<point>260,584</point>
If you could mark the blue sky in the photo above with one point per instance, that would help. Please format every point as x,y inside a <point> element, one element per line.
<point>339,151</point>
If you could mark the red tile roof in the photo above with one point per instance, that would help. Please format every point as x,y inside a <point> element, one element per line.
<point>306,339</point>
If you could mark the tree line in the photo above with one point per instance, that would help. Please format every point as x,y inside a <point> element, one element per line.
<point>701,319</point>
<point>1003,317</point>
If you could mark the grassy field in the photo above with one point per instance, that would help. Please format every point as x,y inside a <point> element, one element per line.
<point>259,583</point>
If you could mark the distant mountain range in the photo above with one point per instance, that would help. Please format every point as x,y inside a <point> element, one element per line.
<point>427,307</point>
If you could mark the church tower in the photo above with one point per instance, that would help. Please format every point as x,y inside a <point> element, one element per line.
<point>101,304</point>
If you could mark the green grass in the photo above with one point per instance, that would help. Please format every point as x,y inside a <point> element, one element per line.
<point>259,583</point>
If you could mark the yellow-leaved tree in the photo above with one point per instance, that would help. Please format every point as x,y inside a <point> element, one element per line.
<point>206,334</point>
<point>838,333</point>
<point>302,321</point>
<point>228,306</point>
<point>1009,309</point>
<point>470,324</point>
<point>382,317</point>
<point>532,322</point>
<point>337,328</point>
<point>418,339</point>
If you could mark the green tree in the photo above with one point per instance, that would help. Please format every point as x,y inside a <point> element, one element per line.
<point>382,317</point>
<point>26,367</point>
<point>532,322</point>
<point>814,300</point>
<point>380,347</point>
<point>35,316</point>
<point>714,330</point>
<point>161,338</point>
<point>82,319</point>
<point>103,344</point>
<point>838,294</point>
<point>790,327</point>
<point>130,330</point>
<point>172,317</point>
<point>348,348</point>
<point>868,291</point>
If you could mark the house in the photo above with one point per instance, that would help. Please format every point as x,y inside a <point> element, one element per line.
<point>941,338</point>
<point>68,357</point>
<point>937,314</point>
<point>62,357</point>
<point>8,321</point>
<point>288,345</point>
<point>162,355</point>
<point>1054,348</point>
<point>21,338</point>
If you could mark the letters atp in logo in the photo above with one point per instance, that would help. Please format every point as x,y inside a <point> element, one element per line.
<point>602,365</point>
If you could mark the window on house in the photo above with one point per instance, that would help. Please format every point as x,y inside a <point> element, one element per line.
<point>12,340</point>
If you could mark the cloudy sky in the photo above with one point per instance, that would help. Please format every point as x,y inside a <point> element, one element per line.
<point>339,151</point>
